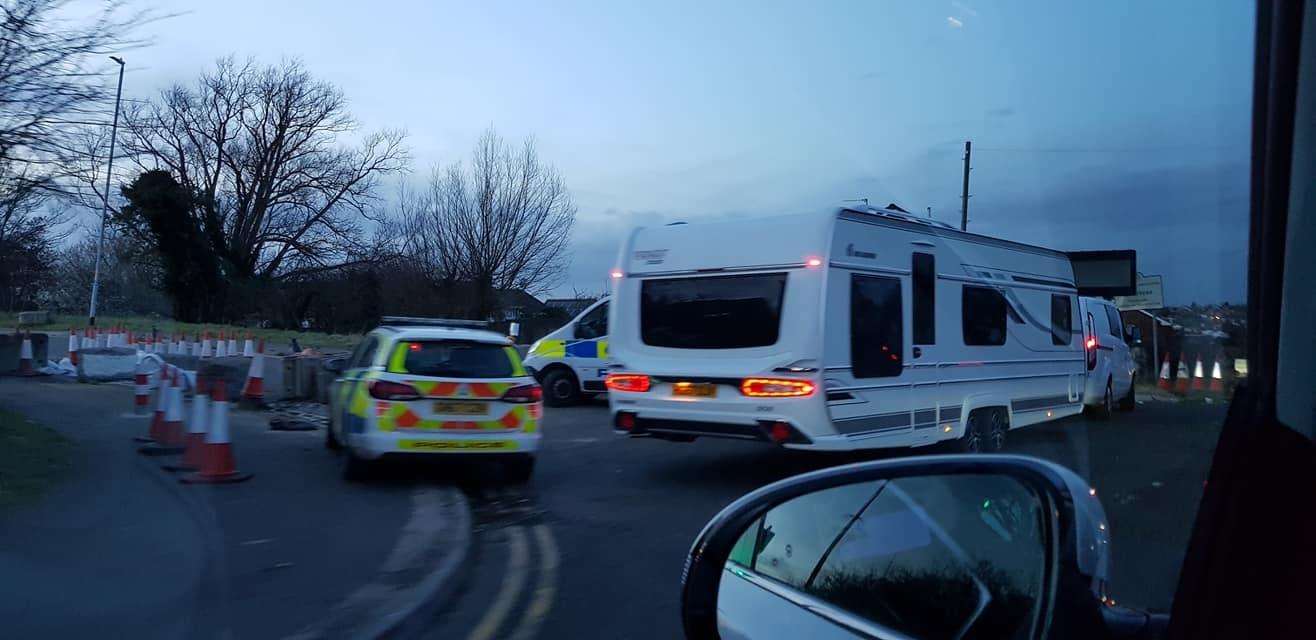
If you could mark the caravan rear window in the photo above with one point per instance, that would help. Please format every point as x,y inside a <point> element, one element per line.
<point>719,312</point>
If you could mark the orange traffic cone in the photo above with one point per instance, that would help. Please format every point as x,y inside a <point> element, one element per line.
<point>25,356</point>
<point>1181,380</point>
<point>170,438</point>
<point>196,430</point>
<point>141,389</point>
<point>217,461</point>
<point>154,433</point>
<point>253,393</point>
<point>1199,376</point>
<point>73,347</point>
<point>1164,381</point>
<point>1217,377</point>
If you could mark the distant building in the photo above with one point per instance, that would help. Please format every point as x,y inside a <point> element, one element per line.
<point>516,304</point>
<point>569,307</point>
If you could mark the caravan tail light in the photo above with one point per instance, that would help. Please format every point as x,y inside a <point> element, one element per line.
<point>776,388</point>
<point>627,382</point>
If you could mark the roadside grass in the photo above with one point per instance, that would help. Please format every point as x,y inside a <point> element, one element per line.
<point>274,338</point>
<point>32,459</point>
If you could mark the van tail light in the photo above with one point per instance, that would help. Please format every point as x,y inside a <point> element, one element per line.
<point>776,388</point>
<point>386,390</point>
<point>524,394</point>
<point>1090,346</point>
<point>635,382</point>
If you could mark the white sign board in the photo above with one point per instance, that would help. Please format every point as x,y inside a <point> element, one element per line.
<point>1151,295</point>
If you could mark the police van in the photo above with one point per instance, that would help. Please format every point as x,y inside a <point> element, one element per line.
<point>570,362</point>
<point>425,388</point>
<point>852,328</point>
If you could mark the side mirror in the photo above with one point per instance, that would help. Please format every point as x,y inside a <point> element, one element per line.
<point>931,547</point>
<point>335,365</point>
<point>1132,334</point>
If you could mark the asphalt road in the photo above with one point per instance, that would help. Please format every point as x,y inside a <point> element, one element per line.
<point>593,546</point>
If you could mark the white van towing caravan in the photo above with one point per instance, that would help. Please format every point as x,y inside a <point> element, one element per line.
<point>855,328</point>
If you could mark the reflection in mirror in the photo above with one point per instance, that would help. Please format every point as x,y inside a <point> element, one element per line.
<point>955,556</point>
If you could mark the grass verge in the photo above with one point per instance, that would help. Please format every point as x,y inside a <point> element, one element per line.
<point>280,338</point>
<point>33,458</point>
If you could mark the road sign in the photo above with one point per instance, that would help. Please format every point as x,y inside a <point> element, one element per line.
<point>1150,295</point>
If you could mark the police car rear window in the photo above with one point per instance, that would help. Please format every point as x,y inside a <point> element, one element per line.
<point>456,359</point>
<point>721,312</point>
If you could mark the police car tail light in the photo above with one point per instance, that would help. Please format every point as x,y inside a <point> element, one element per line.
<point>776,387</point>
<point>524,394</point>
<point>627,382</point>
<point>386,390</point>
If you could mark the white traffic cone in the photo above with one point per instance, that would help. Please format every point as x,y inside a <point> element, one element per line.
<point>141,389</point>
<point>232,344</point>
<point>25,356</point>
<point>248,348</point>
<point>196,429</point>
<point>205,346</point>
<point>253,393</point>
<point>221,346</point>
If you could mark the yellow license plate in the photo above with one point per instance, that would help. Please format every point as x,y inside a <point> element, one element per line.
<point>462,408</point>
<point>695,389</point>
<point>457,445</point>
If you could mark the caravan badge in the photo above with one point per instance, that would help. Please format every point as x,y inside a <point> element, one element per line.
<point>852,252</point>
<point>651,256</point>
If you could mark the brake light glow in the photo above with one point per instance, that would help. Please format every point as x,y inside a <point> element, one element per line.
<point>776,388</point>
<point>524,394</point>
<point>1092,343</point>
<point>616,273</point>
<point>813,262</point>
<point>635,382</point>
<point>387,390</point>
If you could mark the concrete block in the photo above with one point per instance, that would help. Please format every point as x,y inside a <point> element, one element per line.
<point>12,343</point>
<point>102,364</point>
<point>30,318</point>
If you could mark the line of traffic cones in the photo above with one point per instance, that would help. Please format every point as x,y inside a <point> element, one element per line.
<point>216,463</point>
<point>1184,381</point>
<point>203,438</point>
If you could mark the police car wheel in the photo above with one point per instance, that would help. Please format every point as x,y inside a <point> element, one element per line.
<point>560,388</point>
<point>518,470</point>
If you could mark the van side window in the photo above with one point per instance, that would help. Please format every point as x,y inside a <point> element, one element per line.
<point>1113,319</point>
<point>1062,319</point>
<point>924,296</point>
<point>876,334</point>
<point>983,315</point>
<point>593,324</point>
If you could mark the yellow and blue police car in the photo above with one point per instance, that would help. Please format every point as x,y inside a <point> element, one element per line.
<point>417,387</point>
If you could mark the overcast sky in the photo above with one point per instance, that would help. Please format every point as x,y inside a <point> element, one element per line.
<point>1095,125</point>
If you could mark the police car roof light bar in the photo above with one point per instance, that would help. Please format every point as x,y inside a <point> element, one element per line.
<point>404,321</point>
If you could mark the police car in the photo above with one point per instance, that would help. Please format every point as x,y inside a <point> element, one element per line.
<point>572,361</point>
<point>417,387</point>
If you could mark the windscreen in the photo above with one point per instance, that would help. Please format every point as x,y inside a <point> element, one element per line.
<point>456,359</point>
<point>719,312</point>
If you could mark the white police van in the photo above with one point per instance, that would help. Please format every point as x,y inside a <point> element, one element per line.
<point>847,329</point>
<point>571,361</point>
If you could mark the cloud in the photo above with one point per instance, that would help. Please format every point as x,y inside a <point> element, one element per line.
<point>954,23</point>
<point>964,9</point>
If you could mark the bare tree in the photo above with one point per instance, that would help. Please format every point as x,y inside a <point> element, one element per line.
<point>500,223</point>
<point>50,83</point>
<point>261,146</point>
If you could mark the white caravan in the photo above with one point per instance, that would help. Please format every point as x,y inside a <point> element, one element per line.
<point>855,328</point>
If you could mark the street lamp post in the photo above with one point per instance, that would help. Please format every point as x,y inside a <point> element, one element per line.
<point>105,208</point>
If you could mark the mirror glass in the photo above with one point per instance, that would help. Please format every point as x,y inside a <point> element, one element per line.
<point>949,556</point>
<point>1133,333</point>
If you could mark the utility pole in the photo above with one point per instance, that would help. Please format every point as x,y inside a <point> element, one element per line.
<point>964,196</point>
<point>105,209</point>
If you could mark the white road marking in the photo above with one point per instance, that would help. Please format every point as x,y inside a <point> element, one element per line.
<point>257,541</point>
<point>514,581</point>
<point>545,589</point>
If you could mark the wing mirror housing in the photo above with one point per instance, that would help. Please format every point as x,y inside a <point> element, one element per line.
<point>934,546</point>
<point>335,365</point>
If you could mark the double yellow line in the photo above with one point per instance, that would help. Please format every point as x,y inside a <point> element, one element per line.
<point>518,571</point>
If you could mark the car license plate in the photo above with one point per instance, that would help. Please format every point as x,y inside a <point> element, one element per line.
<point>457,445</point>
<point>462,408</point>
<point>695,389</point>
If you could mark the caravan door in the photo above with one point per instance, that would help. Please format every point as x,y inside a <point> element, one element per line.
<point>869,398</point>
